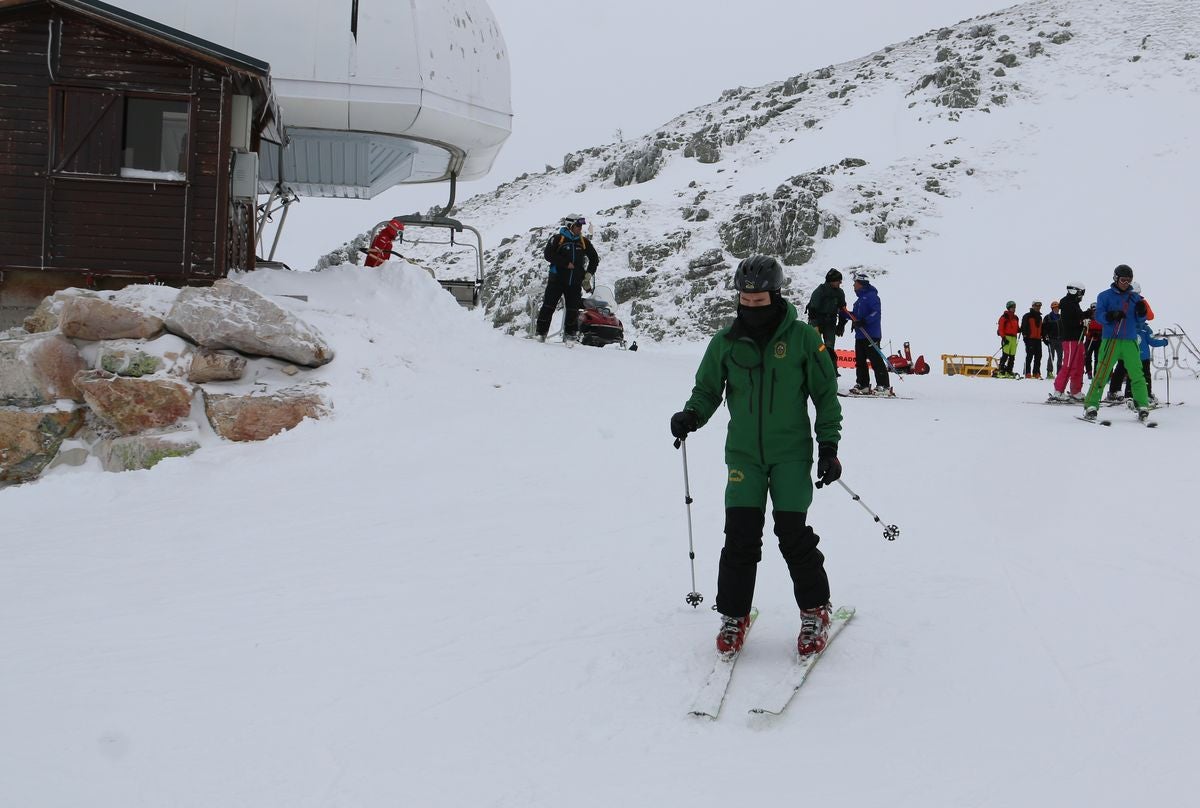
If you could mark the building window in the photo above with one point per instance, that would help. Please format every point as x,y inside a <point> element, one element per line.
<point>111,134</point>
<point>155,138</point>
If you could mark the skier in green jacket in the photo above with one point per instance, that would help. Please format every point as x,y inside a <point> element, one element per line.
<point>826,312</point>
<point>768,365</point>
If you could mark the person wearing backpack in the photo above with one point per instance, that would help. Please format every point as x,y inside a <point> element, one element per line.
<point>826,311</point>
<point>1052,338</point>
<point>573,261</point>
<point>1031,330</point>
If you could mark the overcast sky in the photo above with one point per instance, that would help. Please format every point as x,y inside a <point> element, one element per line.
<point>581,71</point>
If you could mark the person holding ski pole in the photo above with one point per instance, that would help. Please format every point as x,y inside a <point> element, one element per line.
<point>1121,312</point>
<point>1031,330</point>
<point>1007,329</point>
<point>573,261</point>
<point>826,312</point>
<point>767,365</point>
<point>867,317</point>
<point>1073,327</point>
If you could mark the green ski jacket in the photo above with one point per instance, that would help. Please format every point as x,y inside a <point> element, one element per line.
<point>767,391</point>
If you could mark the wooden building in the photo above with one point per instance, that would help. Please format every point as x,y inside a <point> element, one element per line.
<point>128,152</point>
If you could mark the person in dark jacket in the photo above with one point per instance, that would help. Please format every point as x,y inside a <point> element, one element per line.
<point>766,366</point>
<point>1052,337</point>
<point>573,261</point>
<point>867,317</point>
<point>1091,341</point>
<point>1073,328</point>
<point>826,311</point>
<point>1031,330</point>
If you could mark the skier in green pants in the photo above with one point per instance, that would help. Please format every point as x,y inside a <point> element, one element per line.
<point>1121,312</point>
<point>767,365</point>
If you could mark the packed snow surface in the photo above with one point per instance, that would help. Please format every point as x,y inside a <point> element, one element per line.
<point>467,588</point>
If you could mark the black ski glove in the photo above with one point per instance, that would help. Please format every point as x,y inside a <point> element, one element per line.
<point>1139,308</point>
<point>1116,316</point>
<point>828,467</point>
<point>683,423</point>
<point>841,328</point>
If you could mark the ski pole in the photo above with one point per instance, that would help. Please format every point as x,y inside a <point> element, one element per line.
<point>693,598</point>
<point>890,532</point>
<point>879,353</point>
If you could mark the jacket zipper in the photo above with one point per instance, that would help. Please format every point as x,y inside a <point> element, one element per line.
<point>771,405</point>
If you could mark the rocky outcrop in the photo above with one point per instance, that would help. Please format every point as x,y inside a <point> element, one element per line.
<point>258,417</point>
<point>29,439</point>
<point>132,405</point>
<point>38,370</point>
<point>230,315</point>
<point>782,224</point>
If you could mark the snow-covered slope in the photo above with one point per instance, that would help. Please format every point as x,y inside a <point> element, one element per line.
<point>467,588</point>
<point>997,158</point>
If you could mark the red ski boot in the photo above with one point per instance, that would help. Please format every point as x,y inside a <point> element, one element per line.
<point>814,630</point>
<point>732,634</point>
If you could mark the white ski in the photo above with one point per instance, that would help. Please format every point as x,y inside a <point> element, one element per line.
<point>712,694</point>
<point>780,695</point>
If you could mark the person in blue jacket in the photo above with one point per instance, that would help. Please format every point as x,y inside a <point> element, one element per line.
<point>573,261</point>
<point>1121,312</point>
<point>867,316</point>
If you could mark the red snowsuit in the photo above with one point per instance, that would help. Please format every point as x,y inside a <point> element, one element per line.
<point>381,247</point>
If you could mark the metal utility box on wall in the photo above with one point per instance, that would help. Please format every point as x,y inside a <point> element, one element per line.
<point>240,115</point>
<point>244,179</point>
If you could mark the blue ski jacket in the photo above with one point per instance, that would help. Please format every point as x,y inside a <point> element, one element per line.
<point>1147,340</point>
<point>868,314</point>
<point>1113,299</point>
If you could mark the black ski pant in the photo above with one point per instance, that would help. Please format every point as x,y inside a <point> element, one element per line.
<point>743,551</point>
<point>1121,375</point>
<point>561,284</point>
<point>1054,353</point>
<point>1091,356</point>
<point>1033,356</point>
<point>828,334</point>
<point>865,352</point>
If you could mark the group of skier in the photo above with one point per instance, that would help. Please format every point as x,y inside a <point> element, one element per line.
<point>827,312</point>
<point>1110,340</point>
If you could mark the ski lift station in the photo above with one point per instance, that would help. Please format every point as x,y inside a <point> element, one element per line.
<point>167,116</point>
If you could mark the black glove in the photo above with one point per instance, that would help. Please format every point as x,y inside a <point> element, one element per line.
<point>1139,308</point>
<point>1116,316</point>
<point>683,423</point>
<point>828,467</point>
<point>841,329</point>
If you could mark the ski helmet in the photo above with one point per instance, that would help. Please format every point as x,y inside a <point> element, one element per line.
<point>1012,304</point>
<point>1037,304</point>
<point>1123,271</point>
<point>758,273</point>
<point>1054,304</point>
<point>574,219</point>
<point>833,275</point>
<point>1075,289</point>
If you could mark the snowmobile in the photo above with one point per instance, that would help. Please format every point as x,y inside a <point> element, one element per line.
<point>598,322</point>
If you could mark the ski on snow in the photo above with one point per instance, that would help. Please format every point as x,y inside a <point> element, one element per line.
<point>1106,422</point>
<point>712,694</point>
<point>778,698</point>
<point>873,395</point>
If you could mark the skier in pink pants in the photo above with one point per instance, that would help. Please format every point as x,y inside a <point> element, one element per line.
<point>1070,371</point>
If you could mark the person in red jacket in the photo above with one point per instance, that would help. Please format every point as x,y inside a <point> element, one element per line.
<point>381,246</point>
<point>1007,329</point>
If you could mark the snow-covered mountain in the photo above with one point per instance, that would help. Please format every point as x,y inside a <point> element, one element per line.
<point>992,159</point>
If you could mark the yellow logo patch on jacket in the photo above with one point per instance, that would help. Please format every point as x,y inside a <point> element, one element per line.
<point>736,475</point>
<point>781,350</point>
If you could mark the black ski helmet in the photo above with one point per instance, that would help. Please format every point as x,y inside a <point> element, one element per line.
<point>758,273</point>
<point>1123,271</point>
<point>832,275</point>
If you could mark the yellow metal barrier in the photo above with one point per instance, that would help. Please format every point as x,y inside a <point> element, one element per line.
<point>963,365</point>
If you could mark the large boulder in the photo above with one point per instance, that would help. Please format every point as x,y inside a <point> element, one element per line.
<point>230,315</point>
<point>29,439</point>
<point>212,366</point>
<point>38,370</point>
<point>132,405</point>
<point>134,452</point>
<point>258,417</point>
<point>93,318</point>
